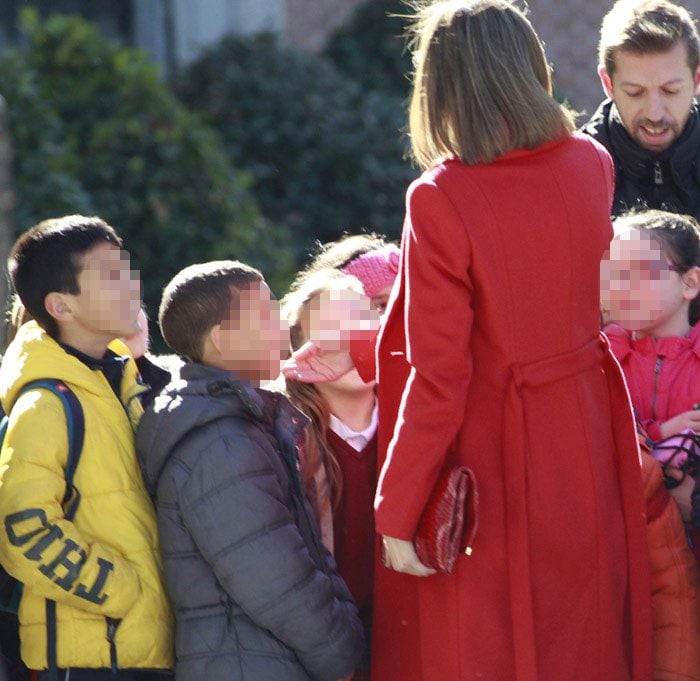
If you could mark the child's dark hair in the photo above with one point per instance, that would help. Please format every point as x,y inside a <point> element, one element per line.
<point>46,259</point>
<point>197,299</point>
<point>679,238</point>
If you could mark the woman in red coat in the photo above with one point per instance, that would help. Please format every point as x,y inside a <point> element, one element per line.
<point>490,357</point>
<point>492,339</point>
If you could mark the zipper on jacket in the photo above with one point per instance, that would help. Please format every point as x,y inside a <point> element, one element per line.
<point>111,634</point>
<point>226,603</point>
<point>658,175</point>
<point>657,371</point>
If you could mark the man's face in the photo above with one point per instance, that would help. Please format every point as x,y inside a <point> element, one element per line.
<point>654,93</point>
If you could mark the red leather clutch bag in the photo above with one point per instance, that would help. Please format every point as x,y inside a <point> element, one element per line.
<point>450,520</point>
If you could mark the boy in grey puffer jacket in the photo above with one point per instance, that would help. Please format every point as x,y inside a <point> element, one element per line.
<point>255,593</point>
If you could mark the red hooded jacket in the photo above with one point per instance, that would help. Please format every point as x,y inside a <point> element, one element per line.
<point>663,374</point>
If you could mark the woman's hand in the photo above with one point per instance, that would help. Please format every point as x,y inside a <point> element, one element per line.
<point>312,364</point>
<point>400,555</point>
<point>688,419</point>
<point>138,342</point>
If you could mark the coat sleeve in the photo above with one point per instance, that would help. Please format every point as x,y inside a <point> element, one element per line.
<point>237,513</point>
<point>675,584</point>
<point>438,315</point>
<point>40,547</point>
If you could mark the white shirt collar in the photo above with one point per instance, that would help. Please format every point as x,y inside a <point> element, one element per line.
<point>356,439</point>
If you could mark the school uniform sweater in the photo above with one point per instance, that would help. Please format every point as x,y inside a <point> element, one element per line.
<point>353,518</point>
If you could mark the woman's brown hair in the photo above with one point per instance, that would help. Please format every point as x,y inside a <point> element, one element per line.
<point>481,84</point>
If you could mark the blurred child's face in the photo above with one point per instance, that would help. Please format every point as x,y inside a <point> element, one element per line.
<point>381,300</point>
<point>335,314</point>
<point>109,301</point>
<point>254,339</point>
<point>639,289</point>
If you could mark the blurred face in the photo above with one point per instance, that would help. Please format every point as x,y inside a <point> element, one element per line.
<point>381,299</point>
<point>109,301</point>
<point>640,290</point>
<point>335,314</point>
<point>254,339</point>
<point>653,93</point>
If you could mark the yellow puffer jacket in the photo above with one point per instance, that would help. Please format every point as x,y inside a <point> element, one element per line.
<point>103,564</point>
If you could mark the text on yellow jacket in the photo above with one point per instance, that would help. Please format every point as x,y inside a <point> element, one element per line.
<point>105,563</point>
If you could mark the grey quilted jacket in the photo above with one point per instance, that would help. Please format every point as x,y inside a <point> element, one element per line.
<point>255,593</point>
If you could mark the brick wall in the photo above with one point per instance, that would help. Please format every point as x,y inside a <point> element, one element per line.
<point>311,22</point>
<point>569,28</point>
<point>570,31</point>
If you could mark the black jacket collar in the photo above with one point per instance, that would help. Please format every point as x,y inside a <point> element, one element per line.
<point>111,365</point>
<point>640,164</point>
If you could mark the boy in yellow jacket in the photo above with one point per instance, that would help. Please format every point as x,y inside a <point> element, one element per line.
<point>111,618</point>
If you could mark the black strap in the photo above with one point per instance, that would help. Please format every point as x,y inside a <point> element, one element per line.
<point>75,420</point>
<point>51,656</point>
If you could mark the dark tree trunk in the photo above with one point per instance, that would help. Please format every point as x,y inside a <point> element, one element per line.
<point>170,61</point>
<point>6,205</point>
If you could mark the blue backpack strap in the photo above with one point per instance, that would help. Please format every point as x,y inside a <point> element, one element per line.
<point>10,588</point>
<point>75,420</point>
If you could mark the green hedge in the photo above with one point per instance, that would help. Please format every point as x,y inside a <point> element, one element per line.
<point>96,131</point>
<point>326,154</point>
<point>371,49</point>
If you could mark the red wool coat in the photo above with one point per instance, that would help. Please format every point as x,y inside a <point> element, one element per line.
<point>490,357</point>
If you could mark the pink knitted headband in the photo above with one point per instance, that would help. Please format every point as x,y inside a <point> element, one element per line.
<point>375,269</point>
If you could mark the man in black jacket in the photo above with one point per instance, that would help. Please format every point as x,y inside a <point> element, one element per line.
<point>650,123</point>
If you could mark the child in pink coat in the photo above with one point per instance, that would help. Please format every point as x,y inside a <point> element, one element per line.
<point>650,288</point>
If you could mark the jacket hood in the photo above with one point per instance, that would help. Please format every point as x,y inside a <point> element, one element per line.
<point>623,343</point>
<point>199,396</point>
<point>34,355</point>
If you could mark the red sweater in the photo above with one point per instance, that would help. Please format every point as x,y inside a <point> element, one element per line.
<point>353,520</point>
<point>662,374</point>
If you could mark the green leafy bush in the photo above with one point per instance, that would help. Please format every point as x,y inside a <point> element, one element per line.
<point>371,49</point>
<point>326,155</point>
<point>96,131</point>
